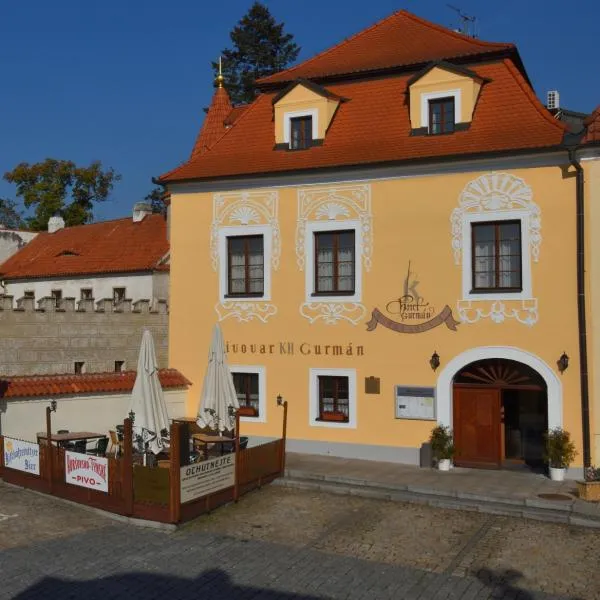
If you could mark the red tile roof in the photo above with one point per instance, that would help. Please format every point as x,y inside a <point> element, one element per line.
<point>592,124</point>
<point>401,39</point>
<point>23,386</point>
<point>214,123</point>
<point>373,126</point>
<point>235,114</point>
<point>118,246</point>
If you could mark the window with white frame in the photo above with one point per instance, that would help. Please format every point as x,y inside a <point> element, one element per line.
<point>332,397</point>
<point>300,128</point>
<point>245,263</point>
<point>333,265</point>
<point>496,260</point>
<point>440,111</point>
<point>250,386</point>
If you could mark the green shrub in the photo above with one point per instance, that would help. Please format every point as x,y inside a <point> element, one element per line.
<point>442,444</point>
<point>560,450</point>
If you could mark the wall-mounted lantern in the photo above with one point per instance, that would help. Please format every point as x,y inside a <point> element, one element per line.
<point>434,361</point>
<point>563,362</point>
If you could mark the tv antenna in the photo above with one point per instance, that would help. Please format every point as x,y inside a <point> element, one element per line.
<point>468,23</point>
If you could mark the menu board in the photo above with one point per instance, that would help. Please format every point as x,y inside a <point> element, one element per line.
<point>415,403</point>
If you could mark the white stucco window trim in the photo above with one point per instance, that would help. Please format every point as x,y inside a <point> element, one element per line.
<point>313,397</point>
<point>262,390</point>
<point>467,283</point>
<point>444,388</point>
<point>427,96</point>
<point>309,252</point>
<point>287,124</point>
<point>226,232</point>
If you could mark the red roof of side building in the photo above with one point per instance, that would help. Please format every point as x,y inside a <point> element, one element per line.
<point>26,386</point>
<point>402,39</point>
<point>592,124</point>
<point>373,126</point>
<point>118,246</point>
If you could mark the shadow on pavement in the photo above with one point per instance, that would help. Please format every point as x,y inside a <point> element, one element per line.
<point>503,583</point>
<point>137,586</point>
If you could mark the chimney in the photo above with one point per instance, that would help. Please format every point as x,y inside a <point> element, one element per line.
<point>55,223</point>
<point>141,210</point>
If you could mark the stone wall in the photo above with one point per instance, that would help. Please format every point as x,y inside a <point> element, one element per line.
<point>47,339</point>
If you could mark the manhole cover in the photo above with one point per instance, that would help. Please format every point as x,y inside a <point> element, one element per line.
<point>557,497</point>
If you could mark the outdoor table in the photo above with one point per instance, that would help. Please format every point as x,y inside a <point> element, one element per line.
<point>202,438</point>
<point>72,436</point>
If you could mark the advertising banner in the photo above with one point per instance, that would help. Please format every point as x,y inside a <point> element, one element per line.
<point>207,477</point>
<point>86,471</point>
<point>22,456</point>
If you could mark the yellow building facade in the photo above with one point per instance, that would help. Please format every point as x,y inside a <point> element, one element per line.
<point>381,297</point>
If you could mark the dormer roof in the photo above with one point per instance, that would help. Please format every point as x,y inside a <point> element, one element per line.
<point>592,124</point>
<point>400,40</point>
<point>446,66</point>
<point>310,85</point>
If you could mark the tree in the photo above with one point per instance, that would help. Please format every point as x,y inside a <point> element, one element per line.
<point>156,199</point>
<point>260,48</point>
<point>60,187</point>
<point>10,215</point>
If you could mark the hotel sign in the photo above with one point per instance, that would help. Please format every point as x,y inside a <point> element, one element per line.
<point>207,477</point>
<point>411,312</point>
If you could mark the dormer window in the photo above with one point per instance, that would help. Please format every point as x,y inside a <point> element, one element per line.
<point>301,132</point>
<point>441,115</point>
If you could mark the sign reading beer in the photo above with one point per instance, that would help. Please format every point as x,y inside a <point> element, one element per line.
<point>207,477</point>
<point>22,456</point>
<point>86,471</point>
<point>411,312</point>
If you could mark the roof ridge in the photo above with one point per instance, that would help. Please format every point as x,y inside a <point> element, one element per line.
<point>456,34</point>
<point>531,95</point>
<point>335,46</point>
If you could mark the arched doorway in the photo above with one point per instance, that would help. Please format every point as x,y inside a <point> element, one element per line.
<point>500,414</point>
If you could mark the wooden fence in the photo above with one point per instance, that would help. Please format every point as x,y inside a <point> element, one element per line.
<point>148,492</point>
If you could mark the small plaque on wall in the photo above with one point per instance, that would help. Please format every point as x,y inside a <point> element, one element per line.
<point>372,385</point>
<point>415,403</point>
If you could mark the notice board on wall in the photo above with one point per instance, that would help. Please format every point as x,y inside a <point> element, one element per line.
<point>415,403</point>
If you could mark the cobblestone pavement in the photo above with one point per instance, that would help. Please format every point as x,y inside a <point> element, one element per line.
<point>279,543</point>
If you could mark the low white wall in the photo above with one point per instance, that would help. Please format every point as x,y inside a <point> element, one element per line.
<point>137,287</point>
<point>97,413</point>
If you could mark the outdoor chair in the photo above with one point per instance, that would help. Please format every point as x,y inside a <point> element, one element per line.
<point>65,445</point>
<point>100,448</point>
<point>79,446</point>
<point>164,464</point>
<point>116,445</point>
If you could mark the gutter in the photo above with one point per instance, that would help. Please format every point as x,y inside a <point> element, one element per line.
<point>583,354</point>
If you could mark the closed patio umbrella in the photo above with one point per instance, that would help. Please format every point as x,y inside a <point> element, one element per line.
<point>151,421</point>
<point>218,391</point>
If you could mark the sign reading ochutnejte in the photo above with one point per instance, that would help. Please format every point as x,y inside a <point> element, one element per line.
<point>207,477</point>
<point>86,471</point>
<point>22,456</point>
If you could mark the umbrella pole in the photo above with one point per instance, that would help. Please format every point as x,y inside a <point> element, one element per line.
<point>236,489</point>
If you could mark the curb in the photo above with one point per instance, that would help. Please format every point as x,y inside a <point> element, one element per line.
<point>567,513</point>
<point>166,527</point>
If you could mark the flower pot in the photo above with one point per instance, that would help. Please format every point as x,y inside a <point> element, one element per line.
<point>589,490</point>
<point>557,474</point>
<point>334,416</point>
<point>444,464</point>
<point>247,411</point>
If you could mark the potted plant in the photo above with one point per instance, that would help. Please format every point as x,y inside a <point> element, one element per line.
<point>247,411</point>
<point>560,452</point>
<point>589,488</point>
<point>442,446</point>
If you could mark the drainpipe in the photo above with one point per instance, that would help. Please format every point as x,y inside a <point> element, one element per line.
<point>583,358</point>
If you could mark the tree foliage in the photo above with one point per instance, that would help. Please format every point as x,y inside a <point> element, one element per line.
<point>60,187</point>
<point>156,199</point>
<point>259,48</point>
<point>10,215</point>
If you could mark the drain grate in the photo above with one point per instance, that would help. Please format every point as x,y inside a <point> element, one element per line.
<point>557,497</point>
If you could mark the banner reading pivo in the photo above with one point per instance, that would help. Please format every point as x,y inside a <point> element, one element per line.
<point>22,456</point>
<point>207,477</point>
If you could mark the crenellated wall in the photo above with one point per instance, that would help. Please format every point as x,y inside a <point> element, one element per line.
<point>49,339</point>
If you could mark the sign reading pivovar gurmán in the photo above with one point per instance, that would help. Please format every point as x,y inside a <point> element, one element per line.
<point>86,471</point>
<point>412,314</point>
<point>207,477</point>
<point>22,456</point>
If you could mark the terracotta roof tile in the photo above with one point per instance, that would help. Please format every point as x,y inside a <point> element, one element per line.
<point>592,124</point>
<point>214,123</point>
<point>401,39</point>
<point>88,383</point>
<point>373,126</point>
<point>235,114</point>
<point>118,246</point>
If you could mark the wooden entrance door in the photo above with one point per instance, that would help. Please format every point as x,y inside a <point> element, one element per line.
<point>477,427</point>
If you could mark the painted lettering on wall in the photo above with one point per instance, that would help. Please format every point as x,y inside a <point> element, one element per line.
<point>295,349</point>
<point>413,313</point>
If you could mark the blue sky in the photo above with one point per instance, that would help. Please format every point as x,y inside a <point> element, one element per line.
<point>125,81</point>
